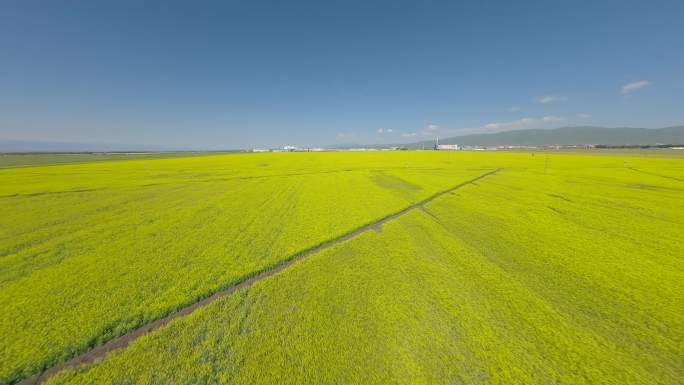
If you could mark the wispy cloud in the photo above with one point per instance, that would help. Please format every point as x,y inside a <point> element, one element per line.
<point>346,135</point>
<point>583,115</point>
<point>431,129</point>
<point>384,130</point>
<point>513,109</point>
<point>634,86</point>
<point>522,123</point>
<point>550,99</point>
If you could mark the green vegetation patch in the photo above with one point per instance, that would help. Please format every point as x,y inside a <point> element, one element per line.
<point>9,160</point>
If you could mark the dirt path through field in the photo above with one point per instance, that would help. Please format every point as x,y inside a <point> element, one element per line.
<point>656,174</point>
<point>101,351</point>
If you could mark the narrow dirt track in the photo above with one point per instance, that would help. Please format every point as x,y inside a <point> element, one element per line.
<point>101,351</point>
<point>656,174</point>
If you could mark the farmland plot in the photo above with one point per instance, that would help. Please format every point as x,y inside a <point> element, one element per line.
<point>561,271</point>
<point>26,160</point>
<point>91,251</point>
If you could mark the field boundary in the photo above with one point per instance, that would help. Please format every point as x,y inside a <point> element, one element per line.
<point>177,155</point>
<point>99,352</point>
<point>175,182</point>
<point>656,174</point>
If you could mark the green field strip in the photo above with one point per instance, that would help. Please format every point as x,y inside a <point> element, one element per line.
<point>18,160</point>
<point>101,351</point>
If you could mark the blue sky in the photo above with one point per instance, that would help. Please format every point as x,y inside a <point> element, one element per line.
<point>233,74</point>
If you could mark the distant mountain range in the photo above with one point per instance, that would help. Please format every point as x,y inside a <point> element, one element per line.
<point>568,136</point>
<point>533,137</point>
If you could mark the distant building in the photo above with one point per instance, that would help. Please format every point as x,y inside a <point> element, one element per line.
<point>447,147</point>
<point>261,150</point>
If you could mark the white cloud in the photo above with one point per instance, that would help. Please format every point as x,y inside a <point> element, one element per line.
<point>522,123</point>
<point>345,135</point>
<point>634,86</point>
<point>389,130</point>
<point>513,109</point>
<point>550,99</point>
<point>583,115</point>
<point>381,130</point>
<point>431,129</point>
<point>384,130</point>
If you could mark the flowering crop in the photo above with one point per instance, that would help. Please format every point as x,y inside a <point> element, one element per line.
<point>91,251</point>
<point>567,273</point>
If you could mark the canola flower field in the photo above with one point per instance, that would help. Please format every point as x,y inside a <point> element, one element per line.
<point>559,268</point>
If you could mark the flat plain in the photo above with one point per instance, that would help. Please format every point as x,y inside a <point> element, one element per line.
<point>11,160</point>
<point>559,268</point>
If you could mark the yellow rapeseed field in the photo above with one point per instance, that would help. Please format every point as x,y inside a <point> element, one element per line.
<point>560,268</point>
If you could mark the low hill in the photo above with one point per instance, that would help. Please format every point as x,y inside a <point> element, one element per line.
<point>569,136</point>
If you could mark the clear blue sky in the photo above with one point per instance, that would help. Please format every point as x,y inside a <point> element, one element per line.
<point>230,74</point>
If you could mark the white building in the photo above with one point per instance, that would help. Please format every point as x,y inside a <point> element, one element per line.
<point>447,147</point>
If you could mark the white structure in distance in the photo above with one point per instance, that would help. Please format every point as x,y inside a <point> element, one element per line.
<point>447,147</point>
